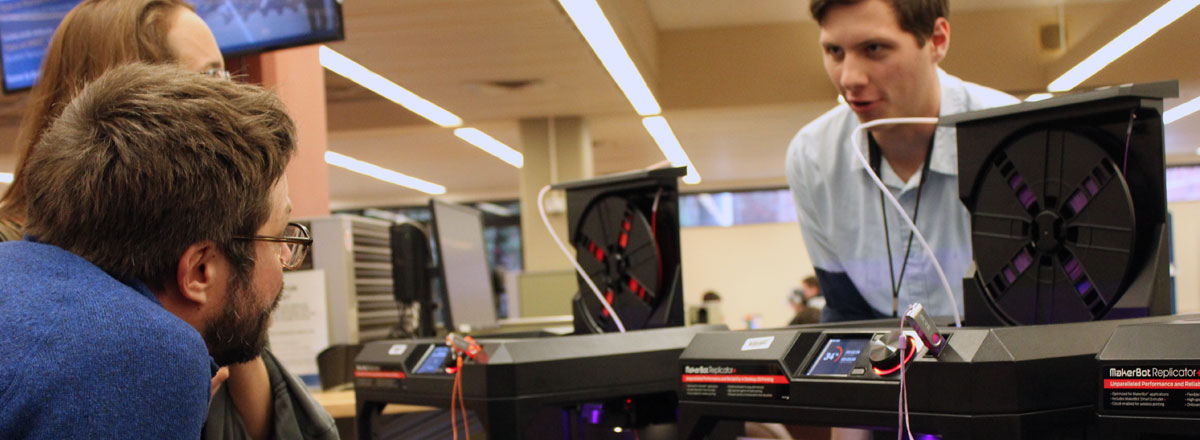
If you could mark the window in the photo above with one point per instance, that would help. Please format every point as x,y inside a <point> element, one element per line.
<point>737,208</point>
<point>1183,183</point>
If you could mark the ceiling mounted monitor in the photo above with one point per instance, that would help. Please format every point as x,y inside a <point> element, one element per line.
<point>240,27</point>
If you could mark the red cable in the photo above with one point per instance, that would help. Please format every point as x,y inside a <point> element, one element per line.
<point>464,347</point>
<point>461,403</point>
<point>453,395</point>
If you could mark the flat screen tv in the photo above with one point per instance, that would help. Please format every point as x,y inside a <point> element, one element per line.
<point>25,31</point>
<point>244,27</point>
<point>241,28</point>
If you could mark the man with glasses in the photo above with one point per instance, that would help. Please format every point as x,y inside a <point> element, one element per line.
<point>157,235</point>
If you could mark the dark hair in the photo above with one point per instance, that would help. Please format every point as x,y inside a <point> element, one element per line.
<point>915,16</point>
<point>150,159</point>
<point>811,281</point>
<point>95,36</point>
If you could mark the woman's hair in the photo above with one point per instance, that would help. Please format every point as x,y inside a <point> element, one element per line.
<point>95,36</point>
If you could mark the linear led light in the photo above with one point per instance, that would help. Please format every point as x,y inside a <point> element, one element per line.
<point>1169,116</point>
<point>6,177</point>
<point>491,145</point>
<point>1038,97</point>
<point>353,71</point>
<point>1165,15</point>
<point>384,174</point>
<point>600,35</point>
<point>494,209</point>
<point>665,138</point>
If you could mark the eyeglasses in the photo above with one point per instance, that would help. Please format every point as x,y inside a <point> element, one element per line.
<point>296,241</point>
<point>218,73</point>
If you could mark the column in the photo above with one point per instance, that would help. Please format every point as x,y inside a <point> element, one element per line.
<point>556,149</point>
<point>297,77</point>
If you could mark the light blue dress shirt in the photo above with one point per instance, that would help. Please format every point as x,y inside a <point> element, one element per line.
<point>839,211</point>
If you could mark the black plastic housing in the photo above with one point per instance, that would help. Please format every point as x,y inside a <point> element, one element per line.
<point>651,198</point>
<point>1170,409</point>
<point>521,378</point>
<point>1068,207</point>
<point>988,383</point>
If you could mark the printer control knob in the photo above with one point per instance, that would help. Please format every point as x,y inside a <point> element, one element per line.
<point>886,356</point>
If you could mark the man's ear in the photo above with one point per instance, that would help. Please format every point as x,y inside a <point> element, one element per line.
<point>200,272</point>
<point>940,40</point>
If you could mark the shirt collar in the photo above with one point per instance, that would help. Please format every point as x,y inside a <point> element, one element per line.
<point>144,290</point>
<point>945,142</point>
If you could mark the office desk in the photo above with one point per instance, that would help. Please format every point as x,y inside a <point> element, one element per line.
<point>340,405</point>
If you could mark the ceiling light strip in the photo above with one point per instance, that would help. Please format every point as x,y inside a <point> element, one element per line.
<point>491,145</point>
<point>1039,97</point>
<point>374,82</point>
<point>494,209</point>
<point>384,174</point>
<point>1180,111</point>
<point>665,138</point>
<point>6,177</point>
<point>1165,15</point>
<point>598,32</point>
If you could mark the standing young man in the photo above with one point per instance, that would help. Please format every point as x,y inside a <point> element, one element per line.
<point>882,56</point>
<point>157,235</point>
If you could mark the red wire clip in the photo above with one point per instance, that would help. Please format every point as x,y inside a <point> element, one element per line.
<point>466,345</point>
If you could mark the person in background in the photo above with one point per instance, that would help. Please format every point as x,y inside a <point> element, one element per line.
<point>156,236</point>
<point>807,302</point>
<point>810,287</point>
<point>710,310</point>
<point>882,57</point>
<point>261,399</point>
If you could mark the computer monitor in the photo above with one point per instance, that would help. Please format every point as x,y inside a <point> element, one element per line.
<point>240,28</point>
<point>250,27</point>
<point>466,280</point>
<point>25,31</point>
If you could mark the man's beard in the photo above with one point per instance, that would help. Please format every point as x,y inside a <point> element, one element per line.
<point>239,334</point>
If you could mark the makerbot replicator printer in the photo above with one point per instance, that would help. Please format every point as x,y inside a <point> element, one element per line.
<point>596,383</point>
<point>1068,209</point>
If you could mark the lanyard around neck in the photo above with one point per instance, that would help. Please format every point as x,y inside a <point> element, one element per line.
<point>876,163</point>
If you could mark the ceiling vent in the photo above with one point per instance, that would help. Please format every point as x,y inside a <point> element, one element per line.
<point>1052,37</point>
<point>506,87</point>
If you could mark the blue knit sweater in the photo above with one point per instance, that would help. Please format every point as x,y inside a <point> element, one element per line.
<point>85,356</point>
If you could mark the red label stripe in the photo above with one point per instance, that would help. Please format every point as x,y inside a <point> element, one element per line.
<point>379,374</point>
<point>734,378</point>
<point>1152,384</point>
